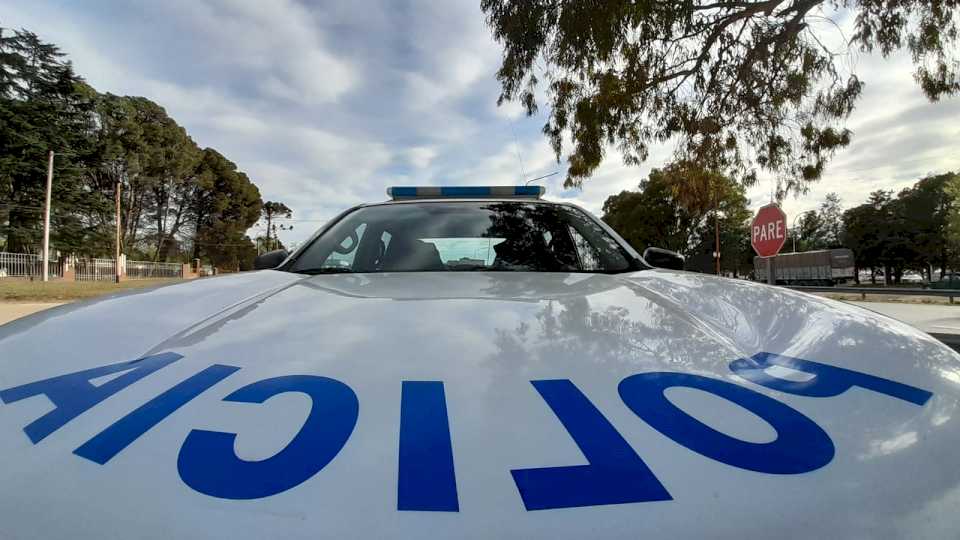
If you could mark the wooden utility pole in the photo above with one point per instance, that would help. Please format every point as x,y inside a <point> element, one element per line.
<point>116,251</point>
<point>716,228</point>
<point>46,220</point>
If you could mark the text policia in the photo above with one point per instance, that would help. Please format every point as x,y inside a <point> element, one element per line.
<point>615,472</point>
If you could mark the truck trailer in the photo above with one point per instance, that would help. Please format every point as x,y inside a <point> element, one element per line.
<point>822,267</point>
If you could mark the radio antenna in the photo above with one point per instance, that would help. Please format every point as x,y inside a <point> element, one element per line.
<point>540,177</point>
<point>516,147</point>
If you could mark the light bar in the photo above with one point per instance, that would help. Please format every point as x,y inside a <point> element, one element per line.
<point>465,192</point>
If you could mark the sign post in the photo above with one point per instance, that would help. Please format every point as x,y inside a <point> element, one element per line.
<point>768,233</point>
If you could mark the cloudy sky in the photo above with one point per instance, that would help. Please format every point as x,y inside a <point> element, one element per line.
<point>324,104</point>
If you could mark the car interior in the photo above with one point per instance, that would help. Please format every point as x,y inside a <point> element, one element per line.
<point>437,238</point>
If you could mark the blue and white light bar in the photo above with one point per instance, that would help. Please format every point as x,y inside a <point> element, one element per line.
<point>465,192</point>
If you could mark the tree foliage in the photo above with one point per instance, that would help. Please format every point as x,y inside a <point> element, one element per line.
<point>740,86</point>
<point>831,217</point>
<point>272,211</point>
<point>952,189</point>
<point>224,204</point>
<point>909,231</point>
<point>917,229</point>
<point>675,208</point>
<point>178,201</point>
<point>649,216</point>
<point>821,228</point>
<point>43,105</point>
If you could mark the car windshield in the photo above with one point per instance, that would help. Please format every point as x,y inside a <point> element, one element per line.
<point>464,236</point>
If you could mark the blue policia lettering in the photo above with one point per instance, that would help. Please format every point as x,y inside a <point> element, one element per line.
<point>828,381</point>
<point>615,473</point>
<point>801,445</point>
<point>208,464</point>
<point>111,441</point>
<point>73,394</point>
<point>426,479</point>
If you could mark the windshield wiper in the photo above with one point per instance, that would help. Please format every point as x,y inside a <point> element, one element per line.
<point>327,270</point>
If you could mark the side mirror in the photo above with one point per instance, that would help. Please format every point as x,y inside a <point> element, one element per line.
<point>663,258</point>
<point>270,259</point>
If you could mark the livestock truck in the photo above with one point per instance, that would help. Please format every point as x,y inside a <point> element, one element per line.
<point>822,267</point>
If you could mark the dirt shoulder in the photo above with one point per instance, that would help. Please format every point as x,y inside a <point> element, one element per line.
<point>12,311</point>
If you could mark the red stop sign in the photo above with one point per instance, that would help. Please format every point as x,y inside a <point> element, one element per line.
<point>768,232</point>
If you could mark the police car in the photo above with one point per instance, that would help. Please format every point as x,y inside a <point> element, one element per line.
<point>474,363</point>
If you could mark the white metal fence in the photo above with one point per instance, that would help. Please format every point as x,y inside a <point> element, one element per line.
<point>26,265</point>
<point>105,270</point>
<point>95,270</point>
<point>153,270</point>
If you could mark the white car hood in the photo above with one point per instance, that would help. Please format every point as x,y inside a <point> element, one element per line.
<point>486,336</point>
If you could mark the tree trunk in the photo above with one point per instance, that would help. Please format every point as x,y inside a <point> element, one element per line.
<point>133,225</point>
<point>23,231</point>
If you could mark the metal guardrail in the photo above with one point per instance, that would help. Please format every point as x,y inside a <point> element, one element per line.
<point>864,291</point>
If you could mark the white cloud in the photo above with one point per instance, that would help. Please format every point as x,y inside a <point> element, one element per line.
<point>238,124</point>
<point>324,105</point>
<point>899,137</point>
<point>311,78</point>
<point>275,42</point>
<point>510,110</point>
<point>420,157</point>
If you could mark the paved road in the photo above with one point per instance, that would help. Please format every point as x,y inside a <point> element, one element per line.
<point>932,318</point>
<point>11,311</point>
